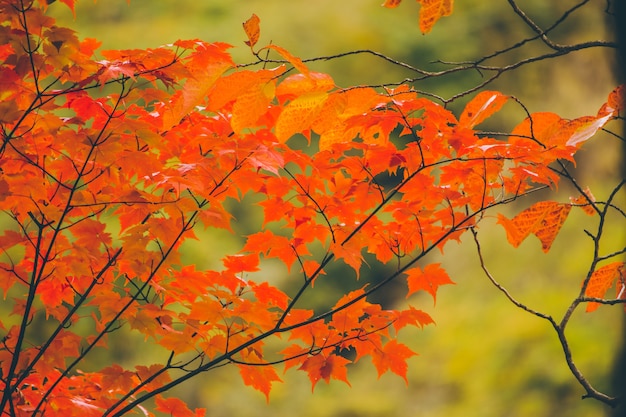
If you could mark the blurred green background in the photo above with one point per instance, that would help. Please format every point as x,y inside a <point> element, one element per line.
<point>484,357</point>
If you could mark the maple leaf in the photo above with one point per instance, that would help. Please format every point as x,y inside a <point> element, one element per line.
<point>90,234</point>
<point>175,407</point>
<point>231,86</point>
<point>559,137</point>
<point>267,294</point>
<point>299,114</point>
<point>271,245</point>
<point>252,29</point>
<point>154,374</point>
<point>145,320</point>
<point>543,219</point>
<point>392,357</point>
<point>179,341</point>
<point>267,158</point>
<point>537,126</point>
<point>350,253</point>
<point>431,11</point>
<point>294,355</point>
<point>428,279</point>
<point>117,378</point>
<point>321,367</point>
<point>241,263</point>
<point>413,317</point>
<point>312,269</point>
<point>113,70</point>
<point>259,377</point>
<point>601,280</point>
<point>584,128</point>
<point>481,107</point>
<point>207,64</point>
<point>250,106</point>
<point>352,310</point>
<point>54,291</point>
<point>293,60</point>
<point>299,84</point>
<point>70,4</point>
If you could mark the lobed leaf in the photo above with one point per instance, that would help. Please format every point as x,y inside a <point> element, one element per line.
<point>292,59</point>
<point>299,114</point>
<point>601,280</point>
<point>175,407</point>
<point>429,279</point>
<point>392,357</point>
<point>259,377</point>
<point>322,367</point>
<point>543,219</point>
<point>431,11</point>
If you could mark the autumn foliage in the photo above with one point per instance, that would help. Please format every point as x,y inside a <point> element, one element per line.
<point>111,160</point>
<point>430,11</point>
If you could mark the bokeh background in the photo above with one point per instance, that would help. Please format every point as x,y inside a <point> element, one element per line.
<point>484,357</point>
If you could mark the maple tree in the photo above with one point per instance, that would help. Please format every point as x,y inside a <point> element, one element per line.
<point>107,166</point>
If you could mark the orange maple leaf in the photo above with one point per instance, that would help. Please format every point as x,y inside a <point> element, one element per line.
<point>537,126</point>
<point>299,84</point>
<point>176,408</point>
<point>117,69</point>
<point>580,130</point>
<point>392,357</point>
<point>293,60</point>
<point>153,375</point>
<point>267,294</point>
<point>325,367</point>
<point>259,377</point>
<point>413,317</point>
<point>179,341</point>
<point>350,253</point>
<point>561,137</point>
<point>240,263</point>
<point>431,11</point>
<point>271,246</point>
<point>428,280</point>
<point>299,114</point>
<point>601,280</point>
<point>250,106</point>
<point>481,107</point>
<point>208,62</point>
<point>543,219</point>
<point>252,29</point>
<point>115,378</point>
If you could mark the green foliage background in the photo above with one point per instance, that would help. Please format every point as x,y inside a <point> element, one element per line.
<point>485,357</point>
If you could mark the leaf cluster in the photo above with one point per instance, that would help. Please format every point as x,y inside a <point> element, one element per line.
<point>108,165</point>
